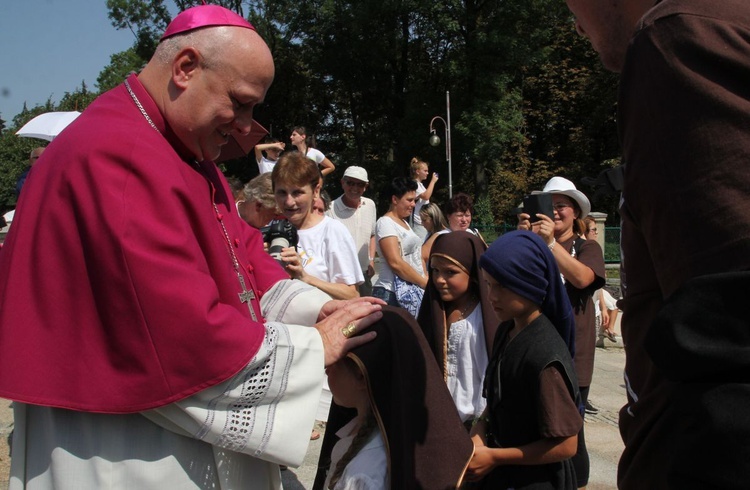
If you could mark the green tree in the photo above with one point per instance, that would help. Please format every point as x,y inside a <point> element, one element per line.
<point>528,99</point>
<point>77,100</point>
<point>14,159</point>
<point>146,19</point>
<point>120,66</point>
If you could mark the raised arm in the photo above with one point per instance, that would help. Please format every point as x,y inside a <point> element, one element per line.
<point>427,194</point>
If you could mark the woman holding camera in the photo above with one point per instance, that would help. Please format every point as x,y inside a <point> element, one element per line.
<point>325,256</point>
<point>581,264</point>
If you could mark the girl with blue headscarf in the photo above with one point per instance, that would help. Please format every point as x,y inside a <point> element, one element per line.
<point>529,430</point>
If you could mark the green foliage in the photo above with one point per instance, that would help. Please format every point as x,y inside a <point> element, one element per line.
<point>14,150</point>
<point>14,159</point>
<point>483,212</point>
<point>77,100</point>
<point>146,19</point>
<point>365,77</point>
<point>120,66</point>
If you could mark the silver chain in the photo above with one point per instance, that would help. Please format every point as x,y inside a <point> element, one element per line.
<point>140,107</point>
<point>245,295</point>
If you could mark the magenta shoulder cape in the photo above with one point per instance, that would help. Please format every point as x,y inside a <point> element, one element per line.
<point>117,289</point>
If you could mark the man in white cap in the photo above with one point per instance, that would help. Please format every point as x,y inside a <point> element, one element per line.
<point>359,215</point>
<point>684,114</point>
<point>147,340</point>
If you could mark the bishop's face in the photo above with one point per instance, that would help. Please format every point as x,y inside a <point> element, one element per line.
<point>218,97</point>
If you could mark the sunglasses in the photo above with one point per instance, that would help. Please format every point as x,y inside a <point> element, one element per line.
<point>354,183</point>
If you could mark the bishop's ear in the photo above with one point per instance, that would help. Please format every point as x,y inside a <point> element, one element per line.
<point>185,65</point>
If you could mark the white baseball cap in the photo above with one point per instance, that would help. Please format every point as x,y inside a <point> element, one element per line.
<point>356,173</point>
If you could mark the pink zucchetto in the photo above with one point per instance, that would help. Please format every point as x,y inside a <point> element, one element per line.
<point>204,16</point>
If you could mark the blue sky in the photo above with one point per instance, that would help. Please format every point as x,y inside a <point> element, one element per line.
<point>47,47</point>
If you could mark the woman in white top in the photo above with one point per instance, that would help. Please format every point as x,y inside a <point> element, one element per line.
<point>325,256</point>
<point>458,320</point>
<point>419,171</point>
<point>300,141</point>
<point>398,248</point>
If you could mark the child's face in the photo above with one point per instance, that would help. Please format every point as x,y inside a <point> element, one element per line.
<point>273,153</point>
<point>449,279</point>
<point>347,384</point>
<point>507,304</point>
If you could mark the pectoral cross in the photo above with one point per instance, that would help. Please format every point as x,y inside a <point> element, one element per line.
<point>247,295</point>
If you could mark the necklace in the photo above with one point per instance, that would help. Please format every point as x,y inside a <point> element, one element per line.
<point>140,107</point>
<point>246,295</point>
<point>470,304</point>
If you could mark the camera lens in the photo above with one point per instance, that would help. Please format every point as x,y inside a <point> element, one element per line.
<point>275,247</point>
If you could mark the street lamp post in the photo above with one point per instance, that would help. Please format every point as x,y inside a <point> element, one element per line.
<point>435,139</point>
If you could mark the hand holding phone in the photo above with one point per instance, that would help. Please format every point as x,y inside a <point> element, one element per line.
<point>540,203</point>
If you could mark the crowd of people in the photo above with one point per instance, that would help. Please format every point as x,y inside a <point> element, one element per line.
<point>180,332</point>
<point>463,313</point>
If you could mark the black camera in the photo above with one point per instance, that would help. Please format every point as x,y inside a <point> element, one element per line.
<point>538,203</point>
<point>280,233</point>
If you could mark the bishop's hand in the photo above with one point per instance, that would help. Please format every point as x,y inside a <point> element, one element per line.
<point>340,322</point>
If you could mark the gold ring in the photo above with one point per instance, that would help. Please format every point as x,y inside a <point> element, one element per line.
<point>348,330</point>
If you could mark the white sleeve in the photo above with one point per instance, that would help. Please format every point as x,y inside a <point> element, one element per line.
<point>276,303</point>
<point>267,409</point>
<point>385,227</point>
<point>315,155</point>
<point>341,256</point>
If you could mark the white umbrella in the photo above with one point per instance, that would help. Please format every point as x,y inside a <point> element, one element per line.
<point>48,125</point>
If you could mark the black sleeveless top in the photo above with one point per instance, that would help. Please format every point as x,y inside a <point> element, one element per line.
<point>512,388</point>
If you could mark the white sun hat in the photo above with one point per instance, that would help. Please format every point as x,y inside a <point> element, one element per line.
<point>561,185</point>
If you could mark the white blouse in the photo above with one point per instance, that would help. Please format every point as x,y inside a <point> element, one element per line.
<point>368,469</point>
<point>466,363</point>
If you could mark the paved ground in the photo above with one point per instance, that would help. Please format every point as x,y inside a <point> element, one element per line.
<point>602,437</point>
<point>6,425</point>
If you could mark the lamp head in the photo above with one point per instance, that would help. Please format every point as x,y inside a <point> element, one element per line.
<point>434,139</point>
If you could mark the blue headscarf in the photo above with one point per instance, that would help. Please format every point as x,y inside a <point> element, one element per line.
<point>523,263</point>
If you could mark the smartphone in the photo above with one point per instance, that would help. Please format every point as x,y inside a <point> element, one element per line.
<point>540,203</point>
